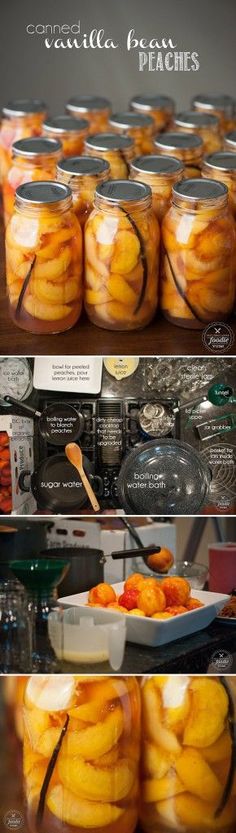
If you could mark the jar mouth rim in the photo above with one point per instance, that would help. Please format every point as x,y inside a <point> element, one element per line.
<point>192,118</point>
<point>65,124</point>
<point>149,102</point>
<point>117,191</point>
<point>24,107</point>
<point>157,164</point>
<point>179,141</point>
<point>78,166</point>
<point>215,101</point>
<point>222,161</point>
<point>109,141</point>
<point>206,191</point>
<point>38,194</point>
<point>129,119</point>
<point>36,146</point>
<point>84,103</point>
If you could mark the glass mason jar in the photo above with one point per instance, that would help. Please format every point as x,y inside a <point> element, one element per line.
<point>160,107</point>
<point>122,241</point>
<point>204,125</point>
<point>197,283</point>
<point>186,147</point>
<point>187,752</point>
<point>32,160</point>
<point>222,106</point>
<point>222,166</point>
<point>230,141</point>
<point>82,174</point>
<point>81,753</point>
<point>22,118</point>
<point>161,173</point>
<point>44,259</point>
<point>94,108</point>
<point>136,125</point>
<point>71,133</point>
<point>117,150</point>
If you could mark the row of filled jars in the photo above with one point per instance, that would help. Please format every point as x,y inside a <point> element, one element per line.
<point>101,752</point>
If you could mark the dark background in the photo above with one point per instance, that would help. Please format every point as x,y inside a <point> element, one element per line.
<point>29,69</point>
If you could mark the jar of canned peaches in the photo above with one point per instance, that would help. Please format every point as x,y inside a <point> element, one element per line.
<point>160,107</point>
<point>186,147</point>
<point>197,283</point>
<point>222,106</point>
<point>117,150</point>
<point>32,160</point>
<point>161,173</point>
<point>22,118</point>
<point>137,125</point>
<point>83,174</point>
<point>222,166</point>
<point>230,141</point>
<point>81,753</point>
<point>70,132</point>
<point>44,259</point>
<point>122,241</point>
<point>187,752</point>
<point>205,125</point>
<point>94,108</point>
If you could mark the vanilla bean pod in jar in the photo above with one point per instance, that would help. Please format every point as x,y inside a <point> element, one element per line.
<point>117,150</point>
<point>82,174</point>
<point>161,173</point>
<point>94,108</point>
<point>122,240</point>
<point>205,125</point>
<point>22,118</point>
<point>44,259</point>
<point>160,107</point>
<point>198,235</point>
<point>186,147</point>
<point>32,160</point>
<point>222,106</point>
<point>137,125</point>
<point>71,133</point>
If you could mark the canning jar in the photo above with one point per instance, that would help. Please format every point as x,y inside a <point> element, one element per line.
<point>198,235</point>
<point>117,150</point>
<point>22,118</point>
<point>136,125</point>
<point>186,147</point>
<point>122,241</point>
<point>83,174</point>
<point>32,160</point>
<point>161,173</point>
<point>187,754</point>
<point>44,259</point>
<point>222,106</point>
<point>230,141</point>
<point>71,133</point>
<point>160,107</point>
<point>94,108</point>
<point>81,753</point>
<point>204,125</point>
<point>222,166</point>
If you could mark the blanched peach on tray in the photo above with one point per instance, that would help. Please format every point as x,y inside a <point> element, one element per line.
<point>187,147</point>
<point>44,259</point>
<point>140,127</point>
<point>94,108</point>
<point>222,106</point>
<point>121,256</point>
<point>197,280</point>
<point>159,107</point>
<point>33,160</point>
<point>71,133</point>
<point>22,118</point>
<point>205,125</point>
<point>160,173</point>
<point>82,174</point>
<point>117,150</point>
<point>150,596</point>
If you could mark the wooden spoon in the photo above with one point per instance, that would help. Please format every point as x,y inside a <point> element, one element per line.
<point>74,455</point>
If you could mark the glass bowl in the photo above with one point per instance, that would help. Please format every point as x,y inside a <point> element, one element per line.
<point>194,572</point>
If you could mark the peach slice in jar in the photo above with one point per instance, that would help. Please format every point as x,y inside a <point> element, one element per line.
<point>205,125</point>
<point>222,166</point>
<point>118,150</point>
<point>32,159</point>
<point>22,118</point>
<point>70,132</point>
<point>220,105</point>
<point>94,108</point>
<point>137,125</point>
<point>187,147</point>
<point>159,107</point>
<point>82,174</point>
<point>160,173</point>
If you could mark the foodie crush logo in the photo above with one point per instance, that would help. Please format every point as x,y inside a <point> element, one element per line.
<point>155,54</point>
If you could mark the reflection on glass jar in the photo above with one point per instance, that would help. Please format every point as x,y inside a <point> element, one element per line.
<point>32,160</point>
<point>186,755</point>
<point>94,108</point>
<point>22,118</point>
<point>70,132</point>
<point>83,174</point>
<point>205,125</point>
<point>117,150</point>
<point>160,107</point>
<point>122,240</point>
<point>222,166</point>
<point>81,753</point>
<point>186,147</point>
<point>136,125</point>
<point>230,141</point>
<point>197,284</point>
<point>44,259</point>
<point>222,106</point>
<point>161,173</point>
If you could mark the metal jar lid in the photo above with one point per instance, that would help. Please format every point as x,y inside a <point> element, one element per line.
<point>154,164</point>
<point>174,141</point>
<point>191,118</point>
<point>222,161</point>
<point>84,103</point>
<point>109,141</point>
<point>230,139</point>
<point>200,189</point>
<point>123,190</point>
<point>29,148</point>
<point>129,119</point>
<point>24,107</point>
<point>43,193</point>
<point>152,102</point>
<point>83,166</point>
<point>65,124</point>
<point>215,101</point>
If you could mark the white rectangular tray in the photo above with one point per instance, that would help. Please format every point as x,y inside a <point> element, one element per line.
<point>154,632</point>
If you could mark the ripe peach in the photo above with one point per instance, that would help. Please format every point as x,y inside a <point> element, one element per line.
<point>151,600</point>
<point>134,582</point>
<point>160,562</point>
<point>102,594</point>
<point>116,606</point>
<point>193,604</point>
<point>163,614</point>
<point>175,610</point>
<point>177,590</point>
